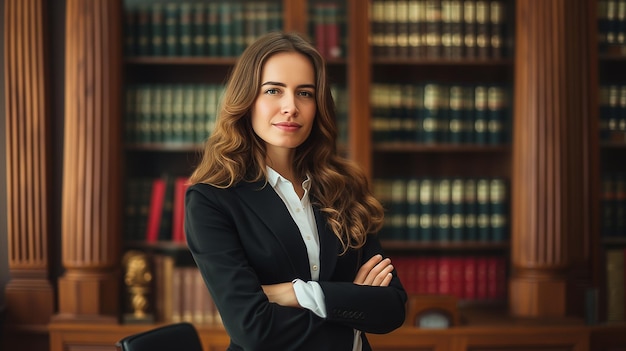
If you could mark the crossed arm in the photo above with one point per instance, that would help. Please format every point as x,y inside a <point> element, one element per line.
<point>375,272</point>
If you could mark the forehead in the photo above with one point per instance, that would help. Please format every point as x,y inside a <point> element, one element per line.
<point>285,67</point>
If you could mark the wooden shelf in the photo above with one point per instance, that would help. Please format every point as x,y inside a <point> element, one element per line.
<point>412,245</point>
<point>437,148</point>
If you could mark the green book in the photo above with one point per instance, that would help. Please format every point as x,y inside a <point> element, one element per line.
<point>496,100</point>
<point>156,122</point>
<point>213,29</point>
<point>412,209</point>
<point>468,115</point>
<point>200,112</point>
<point>396,116</point>
<point>620,204</point>
<point>382,192</point>
<point>426,209</point>
<point>443,210</point>
<point>398,209</point>
<point>178,111</point>
<point>173,33</point>
<point>480,114</point>
<point>165,227</point>
<point>199,29</point>
<point>157,30</point>
<point>145,113</point>
<point>455,123</point>
<point>470,205</point>
<point>130,115</point>
<point>226,29</point>
<point>144,37</point>
<point>431,113</point>
<point>131,27</point>
<point>469,29</point>
<point>238,28</point>
<point>483,209</point>
<point>457,211</point>
<point>189,116</point>
<point>185,29</point>
<point>167,108</point>
<point>418,113</point>
<point>409,106</point>
<point>498,218</point>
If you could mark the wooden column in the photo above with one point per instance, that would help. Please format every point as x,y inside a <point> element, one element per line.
<point>91,194</point>
<point>29,293</point>
<point>551,206</point>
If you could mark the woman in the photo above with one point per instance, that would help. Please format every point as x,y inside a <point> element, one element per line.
<point>282,228</point>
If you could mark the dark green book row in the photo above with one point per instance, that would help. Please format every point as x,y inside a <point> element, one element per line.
<point>216,29</point>
<point>170,113</point>
<point>444,209</point>
<point>441,113</point>
<point>613,113</point>
<point>614,205</point>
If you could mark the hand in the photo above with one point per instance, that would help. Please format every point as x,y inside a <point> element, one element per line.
<point>282,294</point>
<point>375,272</point>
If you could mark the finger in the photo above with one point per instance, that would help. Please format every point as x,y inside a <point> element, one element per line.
<point>387,280</point>
<point>374,272</point>
<point>364,271</point>
<point>380,277</point>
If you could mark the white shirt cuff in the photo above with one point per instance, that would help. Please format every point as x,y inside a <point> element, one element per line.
<point>310,296</point>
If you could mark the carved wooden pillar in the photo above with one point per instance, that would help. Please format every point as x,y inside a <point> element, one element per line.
<point>91,203</point>
<point>29,294</point>
<point>551,222</point>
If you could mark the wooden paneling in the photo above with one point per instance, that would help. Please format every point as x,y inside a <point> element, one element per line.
<point>91,198</point>
<point>29,293</point>
<point>551,231</point>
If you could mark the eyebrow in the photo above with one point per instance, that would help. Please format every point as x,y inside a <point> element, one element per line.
<point>312,86</point>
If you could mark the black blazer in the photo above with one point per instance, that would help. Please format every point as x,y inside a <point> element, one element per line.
<point>243,237</point>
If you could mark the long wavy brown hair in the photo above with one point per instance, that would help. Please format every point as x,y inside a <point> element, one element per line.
<point>234,153</point>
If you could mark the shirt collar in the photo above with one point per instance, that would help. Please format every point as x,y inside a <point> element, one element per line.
<point>273,177</point>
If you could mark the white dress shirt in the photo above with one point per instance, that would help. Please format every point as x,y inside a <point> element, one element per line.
<point>309,294</point>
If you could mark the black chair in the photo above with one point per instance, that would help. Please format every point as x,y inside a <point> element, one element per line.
<point>172,337</point>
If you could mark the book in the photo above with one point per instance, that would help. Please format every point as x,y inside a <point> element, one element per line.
<point>199,29</point>
<point>398,209</point>
<point>483,209</point>
<point>615,293</point>
<point>172,18</point>
<point>180,187</point>
<point>426,209</point>
<point>157,29</point>
<point>498,218</point>
<point>470,205</point>
<point>412,209</point>
<point>480,114</point>
<point>442,200</point>
<point>496,100</point>
<point>185,29</point>
<point>457,211</point>
<point>469,29</point>
<point>433,28</point>
<point>483,34</point>
<point>157,199</point>
<point>497,22</point>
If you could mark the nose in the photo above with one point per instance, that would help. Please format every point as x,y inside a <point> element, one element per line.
<point>289,107</point>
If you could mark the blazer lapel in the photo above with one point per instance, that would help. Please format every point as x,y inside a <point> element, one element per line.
<point>268,206</point>
<point>329,245</point>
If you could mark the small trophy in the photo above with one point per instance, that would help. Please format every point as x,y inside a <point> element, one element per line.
<point>137,283</point>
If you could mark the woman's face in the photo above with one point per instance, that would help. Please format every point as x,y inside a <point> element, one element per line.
<point>284,109</point>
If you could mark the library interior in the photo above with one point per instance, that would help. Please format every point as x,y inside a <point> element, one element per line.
<point>493,132</point>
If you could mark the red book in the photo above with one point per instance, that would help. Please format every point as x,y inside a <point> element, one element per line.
<point>319,25</point>
<point>444,276</point>
<point>332,31</point>
<point>481,278</point>
<point>432,279</point>
<point>157,198</point>
<point>469,278</point>
<point>456,277</point>
<point>421,268</point>
<point>178,230</point>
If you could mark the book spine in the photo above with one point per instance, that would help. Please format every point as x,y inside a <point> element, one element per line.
<point>173,33</point>
<point>446,29</point>
<point>390,29</point>
<point>402,28</point>
<point>455,124</point>
<point>412,201</point>
<point>469,29</point>
<point>157,29</point>
<point>156,112</point>
<point>482,218</point>
<point>178,112</point>
<point>497,131</point>
<point>442,201</point>
<point>498,218</point>
<point>226,29</point>
<point>131,27</point>
<point>157,199</point>
<point>470,205</point>
<point>199,29</point>
<point>480,114</point>
<point>469,278</point>
<point>144,36</point>
<point>615,285</point>
<point>607,201</point>
<point>426,209</point>
<point>398,209</point>
<point>186,29</point>
<point>414,13</point>
<point>189,114</point>
<point>378,28</point>
<point>457,210</point>
<point>433,29</point>
<point>430,119</point>
<point>238,30</point>
<point>497,23</point>
<point>456,29</point>
<point>213,28</point>
<point>482,29</point>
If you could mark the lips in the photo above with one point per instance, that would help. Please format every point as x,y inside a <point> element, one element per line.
<point>287,126</point>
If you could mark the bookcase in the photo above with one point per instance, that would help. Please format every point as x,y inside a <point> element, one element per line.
<point>550,150</point>
<point>612,136</point>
